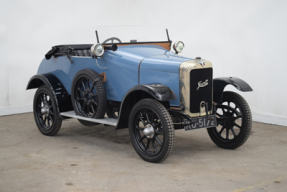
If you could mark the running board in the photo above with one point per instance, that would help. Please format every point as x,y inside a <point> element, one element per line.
<point>105,120</point>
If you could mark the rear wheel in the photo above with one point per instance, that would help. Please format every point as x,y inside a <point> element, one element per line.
<point>234,122</point>
<point>112,111</point>
<point>151,130</point>
<point>46,114</point>
<point>88,95</point>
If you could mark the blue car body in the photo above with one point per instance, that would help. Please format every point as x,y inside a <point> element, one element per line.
<point>142,86</point>
<point>125,68</point>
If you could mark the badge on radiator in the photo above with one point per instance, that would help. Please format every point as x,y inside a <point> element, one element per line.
<point>201,63</point>
<point>202,84</point>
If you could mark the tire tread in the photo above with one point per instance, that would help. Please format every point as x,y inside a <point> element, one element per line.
<point>57,120</point>
<point>248,123</point>
<point>170,128</point>
<point>101,92</point>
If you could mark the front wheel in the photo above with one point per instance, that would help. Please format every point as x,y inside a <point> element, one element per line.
<point>234,122</point>
<point>151,130</point>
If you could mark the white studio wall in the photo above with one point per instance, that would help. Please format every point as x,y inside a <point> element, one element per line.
<point>245,39</point>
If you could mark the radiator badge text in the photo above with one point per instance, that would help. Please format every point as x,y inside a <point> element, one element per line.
<point>202,84</point>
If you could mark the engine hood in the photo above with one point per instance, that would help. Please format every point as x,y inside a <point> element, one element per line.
<point>162,69</point>
<point>152,57</point>
<point>168,62</point>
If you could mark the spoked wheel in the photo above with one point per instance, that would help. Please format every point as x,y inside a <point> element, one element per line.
<point>88,95</point>
<point>234,122</point>
<point>86,99</point>
<point>151,130</point>
<point>112,112</point>
<point>46,115</point>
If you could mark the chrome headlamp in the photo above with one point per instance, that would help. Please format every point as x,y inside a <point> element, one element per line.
<point>178,46</point>
<point>98,49</point>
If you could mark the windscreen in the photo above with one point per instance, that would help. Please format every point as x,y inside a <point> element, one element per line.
<point>132,34</point>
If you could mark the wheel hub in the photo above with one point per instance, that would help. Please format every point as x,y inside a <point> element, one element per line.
<point>228,119</point>
<point>88,95</point>
<point>45,110</point>
<point>149,131</point>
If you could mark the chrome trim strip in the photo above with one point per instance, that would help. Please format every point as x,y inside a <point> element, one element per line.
<point>184,84</point>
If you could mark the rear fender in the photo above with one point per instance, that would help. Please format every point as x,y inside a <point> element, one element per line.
<point>63,99</point>
<point>158,92</point>
<point>220,83</point>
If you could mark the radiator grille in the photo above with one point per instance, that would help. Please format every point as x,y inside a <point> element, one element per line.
<point>203,93</point>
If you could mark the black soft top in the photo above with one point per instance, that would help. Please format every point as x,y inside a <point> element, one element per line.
<point>61,50</point>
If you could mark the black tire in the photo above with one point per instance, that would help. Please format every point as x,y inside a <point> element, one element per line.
<point>46,114</point>
<point>237,128</point>
<point>148,112</point>
<point>88,95</point>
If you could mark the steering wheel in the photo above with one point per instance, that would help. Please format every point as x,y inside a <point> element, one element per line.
<point>112,39</point>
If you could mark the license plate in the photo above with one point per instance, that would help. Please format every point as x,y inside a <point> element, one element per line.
<point>200,122</point>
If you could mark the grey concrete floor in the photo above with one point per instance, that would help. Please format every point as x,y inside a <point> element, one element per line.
<point>101,159</point>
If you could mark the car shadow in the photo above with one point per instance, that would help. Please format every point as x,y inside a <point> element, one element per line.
<point>107,138</point>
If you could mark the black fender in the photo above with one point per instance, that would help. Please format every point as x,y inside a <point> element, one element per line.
<point>220,83</point>
<point>159,92</point>
<point>63,99</point>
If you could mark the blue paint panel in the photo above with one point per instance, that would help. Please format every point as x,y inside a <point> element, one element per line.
<point>168,63</point>
<point>122,72</point>
<point>163,69</point>
<point>158,65</point>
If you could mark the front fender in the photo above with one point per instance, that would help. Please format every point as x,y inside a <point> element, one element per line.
<point>159,92</point>
<point>62,98</point>
<point>220,83</point>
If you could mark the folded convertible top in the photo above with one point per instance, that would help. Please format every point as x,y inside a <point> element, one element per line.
<point>65,50</point>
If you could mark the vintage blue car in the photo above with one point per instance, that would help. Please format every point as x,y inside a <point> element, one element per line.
<point>143,86</point>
